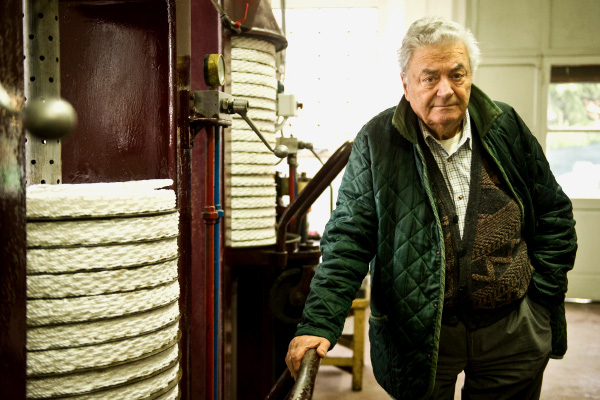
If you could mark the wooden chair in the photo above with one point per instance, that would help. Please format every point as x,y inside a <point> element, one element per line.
<point>356,343</point>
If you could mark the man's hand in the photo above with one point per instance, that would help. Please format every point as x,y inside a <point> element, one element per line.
<point>298,347</point>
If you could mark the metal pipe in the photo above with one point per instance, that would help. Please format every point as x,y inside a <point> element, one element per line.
<point>312,191</point>
<point>304,386</point>
<point>305,383</point>
<point>280,151</point>
<point>292,178</point>
<point>217,261</point>
<point>210,217</point>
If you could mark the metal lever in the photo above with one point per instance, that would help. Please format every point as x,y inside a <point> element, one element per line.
<point>240,107</point>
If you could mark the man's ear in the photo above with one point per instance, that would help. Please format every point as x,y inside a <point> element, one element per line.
<point>405,85</point>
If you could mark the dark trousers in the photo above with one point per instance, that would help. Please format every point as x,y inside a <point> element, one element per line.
<point>503,361</point>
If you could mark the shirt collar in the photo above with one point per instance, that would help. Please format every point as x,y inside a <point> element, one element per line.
<point>466,133</point>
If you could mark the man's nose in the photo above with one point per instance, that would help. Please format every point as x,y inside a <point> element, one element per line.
<point>444,88</point>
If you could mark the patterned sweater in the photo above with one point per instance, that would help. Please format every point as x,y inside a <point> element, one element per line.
<point>487,270</point>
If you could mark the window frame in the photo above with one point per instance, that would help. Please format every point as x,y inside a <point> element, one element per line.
<point>548,63</point>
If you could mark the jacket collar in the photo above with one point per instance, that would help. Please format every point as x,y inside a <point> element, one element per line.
<point>482,109</point>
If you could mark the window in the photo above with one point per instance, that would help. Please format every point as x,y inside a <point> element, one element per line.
<point>573,140</point>
<point>333,67</point>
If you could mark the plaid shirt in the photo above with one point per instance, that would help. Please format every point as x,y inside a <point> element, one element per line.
<point>455,167</point>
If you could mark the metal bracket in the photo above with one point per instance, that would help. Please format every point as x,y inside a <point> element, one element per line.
<point>216,107</point>
<point>293,145</point>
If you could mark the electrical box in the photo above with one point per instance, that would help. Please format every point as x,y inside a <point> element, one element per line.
<point>287,106</point>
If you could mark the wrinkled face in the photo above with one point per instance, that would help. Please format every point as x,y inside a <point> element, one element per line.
<point>438,86</point>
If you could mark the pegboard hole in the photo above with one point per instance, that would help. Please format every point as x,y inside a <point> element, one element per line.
<point>51,162</point>
<point>40,15</point>
<point>51,79</point>
<point>32,79</point>
<point>31,36</point>
<point>56,59</point>
<point>33,162</point>
<point>50,38</point>
<point>58,181</point>
<point>42,58</point>
<point>43,141</point>
<point>56,17</point>
<point>43,181</point>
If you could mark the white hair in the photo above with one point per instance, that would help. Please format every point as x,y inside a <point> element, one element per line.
<point>434,30</point>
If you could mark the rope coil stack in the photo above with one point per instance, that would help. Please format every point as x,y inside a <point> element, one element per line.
<point>102,291</point>
<point>251,184</point>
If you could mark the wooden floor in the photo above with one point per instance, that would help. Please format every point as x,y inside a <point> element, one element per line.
<point>576,377</point>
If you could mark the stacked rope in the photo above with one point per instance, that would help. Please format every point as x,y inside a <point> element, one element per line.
<point>102,291</point>
<point>251,184</point>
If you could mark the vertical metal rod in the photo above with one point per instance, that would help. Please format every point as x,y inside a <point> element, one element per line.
<point>42,80</point>
<point>292,182</point>
<point>210,217</point>
<point>217,163</point>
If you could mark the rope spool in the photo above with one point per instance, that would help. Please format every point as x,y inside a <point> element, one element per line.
<point>91,380</point>
<point>251,186</point>
<point>76,259</point>
<point>102,291</point>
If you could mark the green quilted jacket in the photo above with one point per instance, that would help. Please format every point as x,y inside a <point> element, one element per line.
<point>386,217</point>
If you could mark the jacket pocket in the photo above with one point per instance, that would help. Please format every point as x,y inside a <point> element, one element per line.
<point>379,336</point>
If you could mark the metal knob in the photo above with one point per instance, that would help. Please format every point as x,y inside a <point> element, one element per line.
<point>49,118</point>
<point>281,151</point>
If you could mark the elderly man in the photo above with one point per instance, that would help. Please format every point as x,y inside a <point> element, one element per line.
<point>450,200</point>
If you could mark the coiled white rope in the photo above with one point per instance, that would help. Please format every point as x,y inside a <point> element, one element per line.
<point>78,259</point>
<point>250,187</point>
<point>97,379</point>
<point>102,291</point>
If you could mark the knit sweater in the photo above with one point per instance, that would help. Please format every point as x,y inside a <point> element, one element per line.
<point>487,270</point>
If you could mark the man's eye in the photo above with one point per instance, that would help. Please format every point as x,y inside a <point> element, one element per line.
<point>458,76</point>
<point>428,79</point>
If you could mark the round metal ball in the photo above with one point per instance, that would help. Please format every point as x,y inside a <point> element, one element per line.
<point>49,118</point>
<point>281,151</point>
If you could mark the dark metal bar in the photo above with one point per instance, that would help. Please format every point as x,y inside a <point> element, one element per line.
<point>282,387</point>
<point>304,386</point>
<point>313,190</point>
<point>305,383</point>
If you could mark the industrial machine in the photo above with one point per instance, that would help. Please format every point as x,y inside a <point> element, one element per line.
<point>147,254</point>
